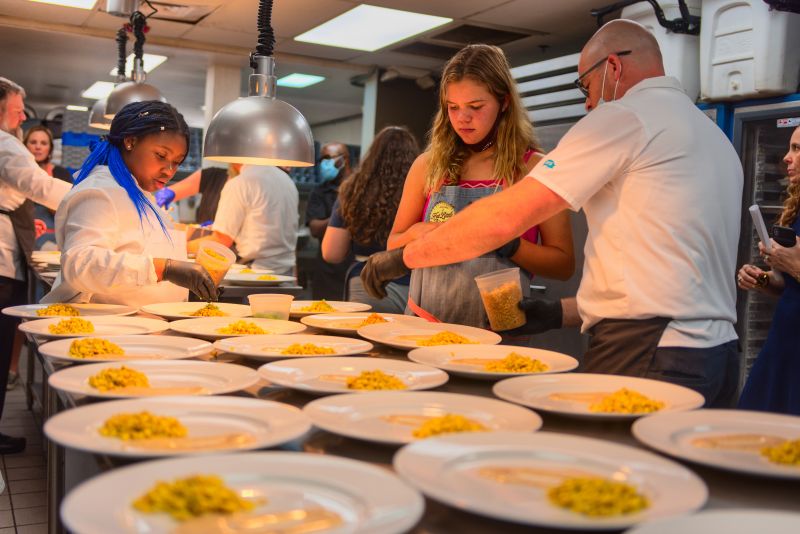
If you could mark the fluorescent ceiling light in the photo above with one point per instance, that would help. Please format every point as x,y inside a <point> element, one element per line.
<point>98,90</point>
<point>151,61</point>
<point>80,4</point>
<point>299,80</point>
<point>369,28</point>
<point>77,108</point>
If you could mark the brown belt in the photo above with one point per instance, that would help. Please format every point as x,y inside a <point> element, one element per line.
<point>623,346</point>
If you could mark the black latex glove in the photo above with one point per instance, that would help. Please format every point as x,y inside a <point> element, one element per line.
<point>380,269</point>
<point>192,276</point>
<point>541,315</point>
<point>509,249</point>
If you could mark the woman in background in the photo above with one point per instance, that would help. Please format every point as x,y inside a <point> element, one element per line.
<point>116,246</point>
<point>364,212</point>
<point>39,141</point>
<point>773,382</point>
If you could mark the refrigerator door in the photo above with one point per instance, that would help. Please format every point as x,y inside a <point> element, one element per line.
<point>760,133</point>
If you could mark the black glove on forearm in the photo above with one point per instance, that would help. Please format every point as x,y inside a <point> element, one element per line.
<point>192,276</point>
<point>509,249</point>
<point>380,269</point>
<point>541,315</point>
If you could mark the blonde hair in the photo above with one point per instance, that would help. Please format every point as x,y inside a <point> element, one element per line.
<point>791,205</point>
<point>447,154</point>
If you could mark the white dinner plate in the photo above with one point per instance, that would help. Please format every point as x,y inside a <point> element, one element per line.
<point>239,267</point>
<point>675,434</point>
<point>135,347</point>
<point>349,323</point>
<point>28,311</point>
<point>178,377</point>
<point>456,469</point>
<point>366,498</point>
<point>329,375</point>
<point>48,257</point>
<point>469,360</point>
<point>239,423</point>
<point>408,336</point>
<point>272,347</point>
<point>207,327</point>
<point>724,522</point>
<point>538,392</point>
<point>366,416</point>
<point>239,279</point>
<point>103,326</point>
<point>183,310</point>
<point>339,306</point>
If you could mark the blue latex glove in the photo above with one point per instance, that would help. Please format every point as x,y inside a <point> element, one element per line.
<point>164,197</point>
<point>206,224</point>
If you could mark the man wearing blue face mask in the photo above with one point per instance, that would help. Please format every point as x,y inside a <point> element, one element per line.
<point>661,187</point>
<point>327,280</point>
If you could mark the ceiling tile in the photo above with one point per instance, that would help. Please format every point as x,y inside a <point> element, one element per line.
<point>317,51</point>
<point>555,17</point>
<point>206,34</point>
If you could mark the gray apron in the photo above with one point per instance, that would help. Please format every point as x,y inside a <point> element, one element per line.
<point>623,346</point>
<point>449,292</point>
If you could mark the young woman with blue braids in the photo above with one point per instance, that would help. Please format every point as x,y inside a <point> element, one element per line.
<point>116,247</point>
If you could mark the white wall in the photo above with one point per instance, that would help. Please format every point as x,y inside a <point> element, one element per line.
<point>347,131</point>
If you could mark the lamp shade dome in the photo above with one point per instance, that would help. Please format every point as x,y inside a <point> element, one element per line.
<point>260,130</point>
<point>97,118</point>
<point>129,92</point>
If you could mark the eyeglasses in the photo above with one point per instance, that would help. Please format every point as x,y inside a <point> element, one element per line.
<point>579,83</point>
<point>329,156</point>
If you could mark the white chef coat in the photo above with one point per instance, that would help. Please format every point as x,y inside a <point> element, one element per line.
<point>107,253</point>
<point>662,190</point>
<point>259,210</point>
<point>21,178</point>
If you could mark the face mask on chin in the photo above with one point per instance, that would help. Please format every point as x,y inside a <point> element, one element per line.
<point>328,170</point>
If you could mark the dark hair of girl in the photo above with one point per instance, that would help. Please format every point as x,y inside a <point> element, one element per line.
<point>368,199</point>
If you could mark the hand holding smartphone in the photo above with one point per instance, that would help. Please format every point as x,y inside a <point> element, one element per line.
<point>784,236</point>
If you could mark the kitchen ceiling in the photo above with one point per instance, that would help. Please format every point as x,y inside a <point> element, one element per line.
<point>57,52</point>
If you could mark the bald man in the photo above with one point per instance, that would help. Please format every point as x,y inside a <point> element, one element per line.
<point>661,187</point>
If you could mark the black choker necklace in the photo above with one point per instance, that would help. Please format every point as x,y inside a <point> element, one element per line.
<point>486,143</point>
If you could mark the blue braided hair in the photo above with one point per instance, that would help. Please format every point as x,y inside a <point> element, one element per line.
<point>137,119</point>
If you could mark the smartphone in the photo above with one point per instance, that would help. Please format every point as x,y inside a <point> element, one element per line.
<point>784,236</point>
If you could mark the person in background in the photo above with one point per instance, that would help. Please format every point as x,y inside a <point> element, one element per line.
<point>116,246</point>
<point>208,182</point>
<point>481,143</point>
<point>258,211</point>
<point>773,382</point>
<point>661,187</point>
<point>22,182</point>
<point>39,140</point>
<point>364,212</point>
<point>327,280</point>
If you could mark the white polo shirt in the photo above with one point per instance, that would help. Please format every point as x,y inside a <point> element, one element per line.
<point>662,190</point>
<point>259,210</point>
